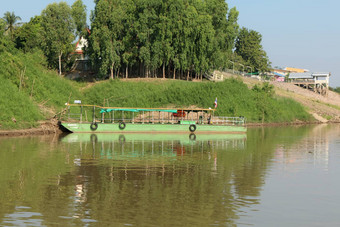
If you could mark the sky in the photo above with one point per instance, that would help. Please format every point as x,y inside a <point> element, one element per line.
<point>295,33</point>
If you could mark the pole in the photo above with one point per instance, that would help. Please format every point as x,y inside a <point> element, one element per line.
<point>233,66</point>
<point>242,67</point>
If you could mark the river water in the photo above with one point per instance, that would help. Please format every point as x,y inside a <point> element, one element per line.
<point>280,176</point>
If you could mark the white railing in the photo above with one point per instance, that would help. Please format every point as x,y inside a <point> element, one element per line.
<point>228,120</point>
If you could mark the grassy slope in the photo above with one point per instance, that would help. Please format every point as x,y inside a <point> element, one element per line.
<point>41,87</point>
<point>234,98</point>
<point>38,86</point>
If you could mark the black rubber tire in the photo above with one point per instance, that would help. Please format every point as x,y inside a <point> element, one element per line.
<point>192,137</point>
<point>192,128</point>
<point>122,125</point>
<point>94,126</point>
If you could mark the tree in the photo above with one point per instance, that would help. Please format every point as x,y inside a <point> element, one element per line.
<point>248,46</point>
<point>2,27</point>
<point>58,32</point>
<point>29,35</point>
<point>149,36</point>
<point>79,16</point>
<point>11,21</point>
<point>106,37</point>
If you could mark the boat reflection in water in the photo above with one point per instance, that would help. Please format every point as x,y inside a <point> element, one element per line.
<point>150,175</point>
<point>130,146</point>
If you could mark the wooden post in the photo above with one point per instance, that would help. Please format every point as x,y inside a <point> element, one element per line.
<point>94,115</point>
<point>81,113</point>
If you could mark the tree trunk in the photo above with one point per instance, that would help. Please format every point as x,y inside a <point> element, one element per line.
<point>188,75</point>
<point>126,72</point>
<point>169,70</point>
<point>61,53</point>
<point>111,70</point>
<point>163,70</point>
<point>174,73</point>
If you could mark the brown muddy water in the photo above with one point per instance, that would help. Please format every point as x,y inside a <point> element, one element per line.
<point>280,176</point>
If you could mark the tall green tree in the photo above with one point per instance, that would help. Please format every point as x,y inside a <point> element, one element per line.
<point>107,35</point>
<point>79,16</point>
<point>145,30</point>
<point>29,35</point>
<point>187,37</point>
<point>130,50</point>
<point>58,32</point>
<point>249,47</point>
<point>11,21</point>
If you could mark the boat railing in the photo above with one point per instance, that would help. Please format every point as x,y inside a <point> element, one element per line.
<point>88,114</point>
<point>214,121</point>
<point>228,120</point>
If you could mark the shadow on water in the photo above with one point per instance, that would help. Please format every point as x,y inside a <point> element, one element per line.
<point>138,179</point>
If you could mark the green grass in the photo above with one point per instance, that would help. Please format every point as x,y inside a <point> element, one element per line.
<point>234,98</point>
<point>26,83</point>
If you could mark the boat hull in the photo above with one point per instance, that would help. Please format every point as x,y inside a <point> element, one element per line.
<point>151,128</point>
<point>183,138</point>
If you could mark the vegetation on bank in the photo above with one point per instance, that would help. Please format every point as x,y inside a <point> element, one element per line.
<point>234,98</point>
<point>29,92</point>
<point>336,89</point>
<point>167,38</point>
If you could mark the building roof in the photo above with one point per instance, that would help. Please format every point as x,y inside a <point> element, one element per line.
<point>321,74</point>
<point>279,74</point>
<point>307,75</point>
<point>300,76</point>
<point>296,70</point>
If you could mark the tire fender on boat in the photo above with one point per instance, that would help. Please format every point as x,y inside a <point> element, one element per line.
<point>94,126</point>
<point>192,128</point>
<point>122,125</point>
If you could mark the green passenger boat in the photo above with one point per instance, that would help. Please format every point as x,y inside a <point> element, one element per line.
<point>151,120</point>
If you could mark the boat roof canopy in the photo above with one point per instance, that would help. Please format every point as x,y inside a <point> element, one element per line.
<point>137,110</point>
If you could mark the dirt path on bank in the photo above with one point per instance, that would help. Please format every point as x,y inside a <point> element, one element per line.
<point>46,127</point>
<point>323,108</point>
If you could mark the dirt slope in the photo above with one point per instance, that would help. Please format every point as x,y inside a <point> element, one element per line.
<point>323,108</point>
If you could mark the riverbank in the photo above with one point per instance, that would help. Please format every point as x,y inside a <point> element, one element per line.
<point>32,94</point>
<point>52,127</point>
<point>45,128</point>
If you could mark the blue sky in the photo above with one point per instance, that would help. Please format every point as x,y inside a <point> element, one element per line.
<point>296,33</point>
